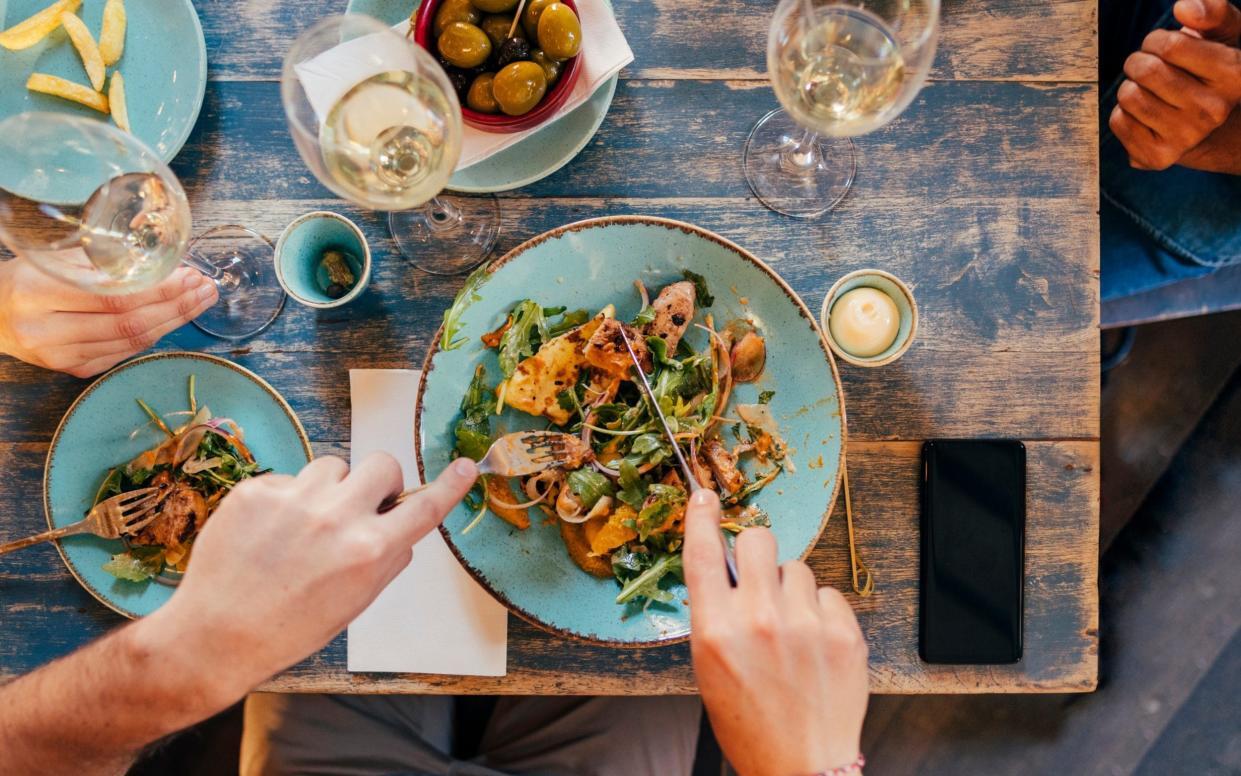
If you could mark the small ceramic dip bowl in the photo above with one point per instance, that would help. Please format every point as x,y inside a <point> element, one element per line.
<point>894,289</point>
<point>323,260</point>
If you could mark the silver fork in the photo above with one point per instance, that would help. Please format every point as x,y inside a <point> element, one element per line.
<point>125,513</point>
<point>516,455</point>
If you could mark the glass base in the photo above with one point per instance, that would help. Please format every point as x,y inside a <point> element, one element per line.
<point>448,235</point>
<point>803,181</point>
<point>242,264</point>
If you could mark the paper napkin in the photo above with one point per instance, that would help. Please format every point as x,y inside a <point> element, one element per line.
<point>433,618</point>
<point>327,77</point>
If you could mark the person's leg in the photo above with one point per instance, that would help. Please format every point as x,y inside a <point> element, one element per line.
<point>593,736</point>
<point>1131,261</point>
<point>346,735</point>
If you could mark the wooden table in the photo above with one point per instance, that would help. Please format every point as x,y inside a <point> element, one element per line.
<point>983,195</point>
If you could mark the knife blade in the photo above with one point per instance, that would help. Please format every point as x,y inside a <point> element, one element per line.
<point>730,559</point>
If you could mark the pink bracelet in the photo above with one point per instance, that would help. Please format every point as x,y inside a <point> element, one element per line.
<point>853,767</point>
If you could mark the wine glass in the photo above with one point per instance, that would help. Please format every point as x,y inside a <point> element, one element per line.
<point>377,121</point>
<point>840,69</point>
<point>92,206</point>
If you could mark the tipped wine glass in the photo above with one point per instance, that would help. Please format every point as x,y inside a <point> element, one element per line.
<point>377,121</point>
<point>92,206</point>
<point>839,69</point>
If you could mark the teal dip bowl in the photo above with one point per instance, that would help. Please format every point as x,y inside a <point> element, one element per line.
<point>299,257</point>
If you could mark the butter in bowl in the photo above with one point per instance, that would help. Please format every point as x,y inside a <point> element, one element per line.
<point>869,317</point>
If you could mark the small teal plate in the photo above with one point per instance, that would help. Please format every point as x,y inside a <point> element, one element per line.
<point>588,265</point>
<point>532,159</point>
<point>94,436</point>
<point>164,64</point>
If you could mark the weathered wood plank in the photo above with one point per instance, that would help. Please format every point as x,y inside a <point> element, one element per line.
<point>684,139</point>
<point>927,393</point>
<point>1050,40</point>
<point>39,600</point>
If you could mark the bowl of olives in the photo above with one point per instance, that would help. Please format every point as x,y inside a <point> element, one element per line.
<point>505,83</point>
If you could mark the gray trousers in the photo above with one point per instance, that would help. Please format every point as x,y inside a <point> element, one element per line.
<point>385,735</point>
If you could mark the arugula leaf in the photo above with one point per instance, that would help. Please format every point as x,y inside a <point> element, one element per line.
<point>700,288</point>
<point>691,379</point>
<point>137,565</point>
<point>645,315</point>
<point>765,397</point>
<point>646,583</point>
<point>523,337</point>
<point>648,448</point>
<point>663,501</point>
<point>473,430</point>
<point>570,320</point>
<point>659,348</point>
<point>632,487</point>
<point>589,486</point>
<point>467,296</point>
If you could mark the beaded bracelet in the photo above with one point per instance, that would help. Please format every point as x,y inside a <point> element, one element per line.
<point>853,767</point>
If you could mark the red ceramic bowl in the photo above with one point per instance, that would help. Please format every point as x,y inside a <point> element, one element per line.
<point>499,122</point>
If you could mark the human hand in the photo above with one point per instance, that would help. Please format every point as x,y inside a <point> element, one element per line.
<point>1181,86</point>
<point>285,563</point>
<point>781,663</point>
<point>52,324</point>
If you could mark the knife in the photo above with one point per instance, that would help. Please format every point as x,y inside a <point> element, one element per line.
<point>730,559</point>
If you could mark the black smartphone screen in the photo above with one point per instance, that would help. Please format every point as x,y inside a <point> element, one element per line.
<point>973,526</point>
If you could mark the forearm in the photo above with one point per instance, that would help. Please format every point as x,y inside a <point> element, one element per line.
<point>1221,151</point>
<point>92,711</point>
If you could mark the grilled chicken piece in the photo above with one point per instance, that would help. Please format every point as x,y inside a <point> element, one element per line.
<point>723,466</point>
<point>180,513</point>
<point>674,309</point>
<point>606,349</point>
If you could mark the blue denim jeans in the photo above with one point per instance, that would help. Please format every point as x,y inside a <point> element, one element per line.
<point>1157,227</point>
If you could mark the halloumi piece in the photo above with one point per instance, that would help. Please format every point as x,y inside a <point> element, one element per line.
<point>541,378</point>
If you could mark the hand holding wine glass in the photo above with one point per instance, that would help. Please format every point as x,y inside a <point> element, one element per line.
<point>839,70</point>
<point>49,323</point>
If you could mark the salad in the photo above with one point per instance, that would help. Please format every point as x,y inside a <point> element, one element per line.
<point>620,511</point>
<point>196,465</point>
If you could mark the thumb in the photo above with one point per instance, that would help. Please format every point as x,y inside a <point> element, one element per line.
<point>1217,20</point>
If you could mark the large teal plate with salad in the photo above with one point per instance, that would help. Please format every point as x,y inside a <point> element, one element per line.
<point>589,265</point>
<point>164,64</point>
<point>98,433</point>
<point>535,157</point>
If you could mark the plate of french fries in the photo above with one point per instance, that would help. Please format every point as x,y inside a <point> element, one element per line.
<point>138,64</point>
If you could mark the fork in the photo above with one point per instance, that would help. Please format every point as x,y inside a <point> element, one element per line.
<point>516,455</point>
<point>125,513</point>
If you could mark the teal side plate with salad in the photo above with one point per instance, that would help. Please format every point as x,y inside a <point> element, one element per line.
<point>589,265</point>
<point>98,434</point>
<point>164,65</point>
<point>535,157</point>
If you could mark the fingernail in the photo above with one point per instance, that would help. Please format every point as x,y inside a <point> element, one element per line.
<point>704,497</point>
<point>1195,7</point>
<point>192,279</point>
<point>464,467</point>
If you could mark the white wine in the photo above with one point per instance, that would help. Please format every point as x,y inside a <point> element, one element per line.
<point>387,141</point>
<point>133,230</point>
<point>842,76</point>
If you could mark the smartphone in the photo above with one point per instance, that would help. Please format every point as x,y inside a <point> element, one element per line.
<point>973,543</point>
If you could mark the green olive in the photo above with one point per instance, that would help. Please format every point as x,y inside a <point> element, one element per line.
<point>455,11</point>
<point>530,17</point>
<point>560,32</point>
<point>551,68</point>
<point>464,45</point>
<point>480,97</point>
<point>519,87</point>
<point>496,25</point>
<point>494,6</point>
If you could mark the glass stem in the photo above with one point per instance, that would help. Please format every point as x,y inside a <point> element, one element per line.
<point>804,156</point>
<point>224,279</point>
<point>442,214</point>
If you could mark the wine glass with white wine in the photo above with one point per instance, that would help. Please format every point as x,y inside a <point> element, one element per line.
<point>94,207</point>
<point>377,121</point>
<point>839,69</point>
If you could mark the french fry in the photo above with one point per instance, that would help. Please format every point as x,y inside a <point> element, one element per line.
<point>112,34</point>
<point>84,42</point>
<point>26,33</point>
<point>68,90</point>
<point>116,101</point>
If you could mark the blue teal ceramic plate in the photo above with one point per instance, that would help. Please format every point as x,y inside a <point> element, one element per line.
<point>534,158</point>
<point>164,65</point>
<point>588,265</point>
<point>95,435</point>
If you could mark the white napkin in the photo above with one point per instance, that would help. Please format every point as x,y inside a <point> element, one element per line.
<point>605,51</point>
<point>433,618</point>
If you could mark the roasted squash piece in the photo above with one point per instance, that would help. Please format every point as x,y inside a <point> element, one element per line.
<point>499,490</point>
<point>574,536</point>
